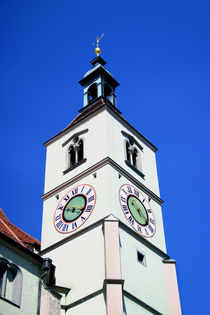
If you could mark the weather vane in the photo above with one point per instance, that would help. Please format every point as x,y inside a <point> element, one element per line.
<point>98,49</point>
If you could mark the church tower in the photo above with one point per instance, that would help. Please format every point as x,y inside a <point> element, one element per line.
<point>102,218</point>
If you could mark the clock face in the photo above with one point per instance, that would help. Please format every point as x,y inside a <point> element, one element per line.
<point>74,208</point>
<point>137,210</point>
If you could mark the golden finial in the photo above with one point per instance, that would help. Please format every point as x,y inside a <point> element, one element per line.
<point>98,49</point>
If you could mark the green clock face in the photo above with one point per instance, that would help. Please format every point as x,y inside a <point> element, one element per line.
<point>137,210</point>
<point>74,208</point>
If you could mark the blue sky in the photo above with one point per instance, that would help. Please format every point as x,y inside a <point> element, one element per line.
<point>159,53</point>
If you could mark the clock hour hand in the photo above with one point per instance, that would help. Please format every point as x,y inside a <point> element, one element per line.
<point>141,214</point>
<point>76,209</point>
<point>138,209</point>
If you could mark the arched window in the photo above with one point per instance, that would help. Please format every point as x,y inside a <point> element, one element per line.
<point>128,157</point>
<point>80,150</point>
<point>72,155</point>
<point>76,151</point>
<point>10,281</point>
<point>134,157</point>
<point>133,153</point>
<point>92,92</point>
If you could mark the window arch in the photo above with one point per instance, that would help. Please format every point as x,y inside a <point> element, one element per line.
<point>75,151</point>
<point>133,154</point>
<point>92,92</point>
<point>10,281</point>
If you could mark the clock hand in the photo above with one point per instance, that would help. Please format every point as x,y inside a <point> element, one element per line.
<point>142,214</point>
<point>76,209</point>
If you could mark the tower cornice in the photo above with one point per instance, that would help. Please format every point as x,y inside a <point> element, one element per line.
<point>95,167</point>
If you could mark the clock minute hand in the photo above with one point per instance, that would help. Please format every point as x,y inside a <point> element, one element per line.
<point>141,213</point>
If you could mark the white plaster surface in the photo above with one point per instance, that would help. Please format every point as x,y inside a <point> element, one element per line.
<point>80,264</point>
<point>132,308</point>
<point>147,283</point>
<point>94,306</point>
<point>107,185</point>
<point>103,139</point>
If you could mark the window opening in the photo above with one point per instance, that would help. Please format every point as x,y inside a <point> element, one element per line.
<point>127,152</point>
<point>92,92</point>
<point>72,154</point>
<point>134,156</point>
<point>76,151</point>
<point>141,258</point>
<point>10,282</point>
<point>80,150</point>
<point>133,152</point>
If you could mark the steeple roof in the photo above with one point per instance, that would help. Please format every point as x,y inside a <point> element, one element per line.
<point>98,70</point>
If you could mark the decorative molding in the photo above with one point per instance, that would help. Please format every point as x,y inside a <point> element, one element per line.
<point>134,169</point>
<point>140,302</point>
<point>82,300</point>
<point>101,222</point>
<point>129,137</point>
<point>113,281</point>
<point>169,261</point>
<point>74,166</point>
<point>94,168</point>
<point>71,237</point>
<point>77,134</point>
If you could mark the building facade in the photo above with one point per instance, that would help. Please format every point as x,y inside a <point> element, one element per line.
<point>26,279</point>
<point>102,218</point>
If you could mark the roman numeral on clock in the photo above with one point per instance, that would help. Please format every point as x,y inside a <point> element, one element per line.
<point>57,217</point>
<point>65,228</point>
<point>151,228</point>
<point>87,193</point>
<point>125,208</point>
<point>139,228</point>
<point>74,225</point>
<point>131,220</point>
<point>66,197</point>
<point>59,224</point>
<point>129,190</point>
<point>123,199</point>
<point>91,198</point>
<point>152,221</point>
<point>89,208</point>
<point>75,191</point>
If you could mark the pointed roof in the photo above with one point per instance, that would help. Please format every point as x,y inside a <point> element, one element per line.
<point>98,70</point>
<point>16,234</point>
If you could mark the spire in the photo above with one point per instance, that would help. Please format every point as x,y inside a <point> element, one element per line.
<point>98,49</point>
<point>98,82</point>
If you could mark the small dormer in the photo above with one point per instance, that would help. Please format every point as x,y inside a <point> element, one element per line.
<point>98,82</point>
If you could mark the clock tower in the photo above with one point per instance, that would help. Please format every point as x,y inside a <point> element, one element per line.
<point>102,216</point>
